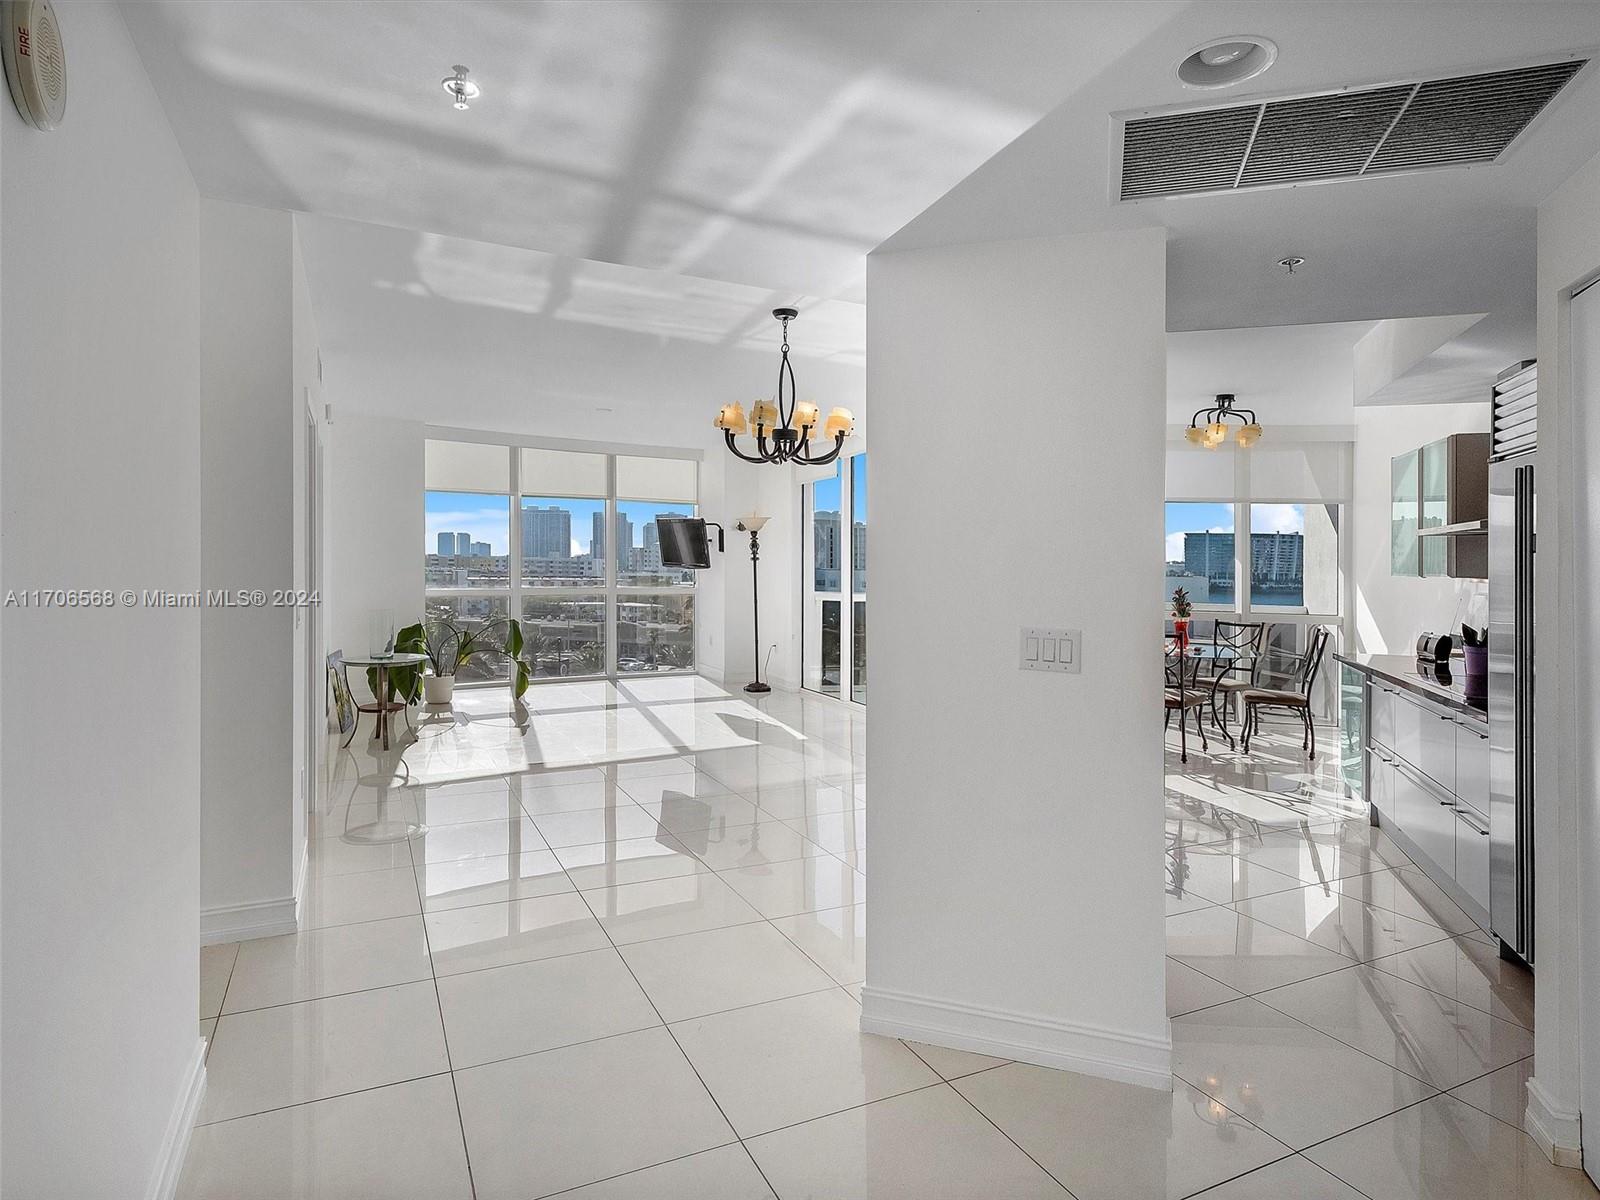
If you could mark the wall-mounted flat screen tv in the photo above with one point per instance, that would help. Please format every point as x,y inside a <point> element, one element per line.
<point>683,542</point>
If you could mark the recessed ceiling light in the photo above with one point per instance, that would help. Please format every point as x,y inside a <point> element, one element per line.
<point>462,90</point>
<point>1225,61</point>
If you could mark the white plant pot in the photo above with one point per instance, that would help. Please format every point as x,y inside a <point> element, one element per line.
<point>437,689</point>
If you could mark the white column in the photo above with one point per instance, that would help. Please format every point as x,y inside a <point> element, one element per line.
<point>1018,403</point>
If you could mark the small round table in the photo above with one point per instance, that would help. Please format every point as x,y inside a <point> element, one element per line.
<point>380,706</point>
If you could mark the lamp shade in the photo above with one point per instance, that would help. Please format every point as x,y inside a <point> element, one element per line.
<point>764,415</point>
<point>839,421</point>
<point>752,522</point>
<point>1249,435</point>
<point>1216,433</point>
<point>731,418</point>
<point>1194,434</point>
<point>806,413</point>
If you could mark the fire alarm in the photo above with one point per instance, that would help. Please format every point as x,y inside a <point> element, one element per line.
<point>36,63</point>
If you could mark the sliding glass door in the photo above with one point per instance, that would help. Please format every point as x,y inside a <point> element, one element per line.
<point>834,582</point>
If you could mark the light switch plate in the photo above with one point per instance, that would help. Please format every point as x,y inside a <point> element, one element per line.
<point>1051,649</point>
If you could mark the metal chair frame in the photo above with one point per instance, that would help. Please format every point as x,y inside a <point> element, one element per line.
<point>1310,664</point>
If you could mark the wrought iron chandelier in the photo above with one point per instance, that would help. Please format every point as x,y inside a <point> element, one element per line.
<point>785,428</point>
<point>1213,430</point>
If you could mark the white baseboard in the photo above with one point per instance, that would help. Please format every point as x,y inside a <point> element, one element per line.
<point>1557,1130</point>
<point>175,1142</point>
<point>240,922</point>
<point>1022,1037</point>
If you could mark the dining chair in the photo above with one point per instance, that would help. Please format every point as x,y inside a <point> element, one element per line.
<point>1296,697</point>
<point>1233,677</point>
<point>1183,694</point>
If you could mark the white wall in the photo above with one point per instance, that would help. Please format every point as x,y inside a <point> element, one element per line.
<point>1390,611</point>
<point>374,487</point>
<point>101,707</point>
<point>1567,849</point>
<point>252,828</point>
<point>1016,816</point>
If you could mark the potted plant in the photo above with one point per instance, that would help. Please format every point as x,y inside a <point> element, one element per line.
<point>448,648</point>
<point>1181,612</point>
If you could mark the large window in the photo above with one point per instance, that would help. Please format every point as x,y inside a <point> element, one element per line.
<point>1287,571</point>
<point>567,542</point>
<point>1200,555</point>
<point>835,601</point>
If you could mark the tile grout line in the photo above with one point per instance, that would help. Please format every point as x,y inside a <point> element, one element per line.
<point>968,1100</point>
<point>444,1034</point>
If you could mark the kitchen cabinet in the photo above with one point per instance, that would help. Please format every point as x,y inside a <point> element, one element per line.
<point>1404,515</point>
<point>1443,486</point>
<point>1427,776</point>
<point>1472,854</point>
<point>1426,817</point>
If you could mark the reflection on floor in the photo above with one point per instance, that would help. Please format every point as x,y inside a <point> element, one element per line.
<point>625,957</point>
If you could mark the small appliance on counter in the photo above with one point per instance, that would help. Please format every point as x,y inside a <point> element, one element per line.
<point>1434,649</point>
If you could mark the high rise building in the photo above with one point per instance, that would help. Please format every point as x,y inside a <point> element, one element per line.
<point>480,549</point>
<point>463,544</point>
<point>546,532</point>
<point>447,544</point>
<point>599,542</point>
<point>858,556</point>
<point>827,550</point>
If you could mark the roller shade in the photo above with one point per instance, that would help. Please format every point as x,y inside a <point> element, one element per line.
<point>1301,471</point>
<point>466,467</point>
<point>675,479</point>
<point>1196,474</point>
<point>562,473</point>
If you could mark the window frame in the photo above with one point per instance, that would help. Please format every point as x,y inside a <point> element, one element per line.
<point>607,583</point>
<point>1241,501</point>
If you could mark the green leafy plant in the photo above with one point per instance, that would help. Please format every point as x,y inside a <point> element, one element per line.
<point>1181,608</point>
<point>449,647</point>
<point>521,666</point>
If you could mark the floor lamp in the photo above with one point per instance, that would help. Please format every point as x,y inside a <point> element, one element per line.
<point>752,523</point>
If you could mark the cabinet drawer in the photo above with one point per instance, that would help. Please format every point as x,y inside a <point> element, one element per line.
<point>1380,771</point>
<point>1472,855</point>
<point>1429,822</point>
<point>1409,721</point>
<point>1438,761</point>
<point>1381,698</point>
<point>1472,766</point>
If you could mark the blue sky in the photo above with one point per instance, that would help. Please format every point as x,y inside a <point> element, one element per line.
<point>487,518</point>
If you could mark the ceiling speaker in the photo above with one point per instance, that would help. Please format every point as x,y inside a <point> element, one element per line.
<point>36,63</point>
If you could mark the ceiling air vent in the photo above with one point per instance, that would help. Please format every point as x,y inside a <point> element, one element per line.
<point>1339,135</point>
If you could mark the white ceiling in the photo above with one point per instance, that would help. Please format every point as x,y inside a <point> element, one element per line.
<point>1452,241</point>
<point>757,143</point>
<point>455,332</point>
<point>643,181</point>
<point>1290,374</point>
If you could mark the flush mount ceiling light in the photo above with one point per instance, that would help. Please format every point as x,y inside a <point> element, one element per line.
<point>1212,431</point>
<point>1290,263</point>
<point>784,428</point>
<point>1226,61</point>
<point>462,90</point>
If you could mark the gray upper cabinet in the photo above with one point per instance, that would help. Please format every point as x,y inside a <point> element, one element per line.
<point>1404,507</point>
<point>1440,507</point>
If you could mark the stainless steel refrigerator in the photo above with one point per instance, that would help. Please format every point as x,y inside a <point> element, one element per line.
<point>1513,574</point>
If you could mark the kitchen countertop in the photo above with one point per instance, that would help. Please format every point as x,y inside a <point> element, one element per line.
<point>1447,689</point>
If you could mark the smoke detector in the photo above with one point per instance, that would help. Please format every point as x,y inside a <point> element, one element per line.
<point>36,63</point>
<point>462,90</point>
<point>1225,61</point>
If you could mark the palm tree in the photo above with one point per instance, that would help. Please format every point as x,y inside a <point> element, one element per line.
<point>590,659</point>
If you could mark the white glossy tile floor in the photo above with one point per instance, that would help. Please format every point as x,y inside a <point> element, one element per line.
<point>625,962</point>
